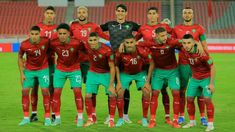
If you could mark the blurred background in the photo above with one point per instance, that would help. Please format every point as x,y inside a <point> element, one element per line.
<point>216,16</point>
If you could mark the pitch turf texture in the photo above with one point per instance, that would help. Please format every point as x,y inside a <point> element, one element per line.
<point>11,110</point>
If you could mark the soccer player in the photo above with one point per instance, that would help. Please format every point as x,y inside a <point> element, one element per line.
<point>68,67</point>
<point>203,76</point>
<point>147,32</point>
<point>36,66</point>
<point>131,64</point>
<point>163,51</point>
<point>80,29</point>
<point>188,27</point>
<point>118,30</point>
<point>47,29</point>
<point>101,72</point>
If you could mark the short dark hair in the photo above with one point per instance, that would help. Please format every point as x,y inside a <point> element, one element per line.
<point>63,26</point>
<point>93,34</point>
<point>50,8</point>
<point>187,7</point>
<point>122,6</point>
<point>159,30</point>
<point>153,8</point>
<point>130,36</point>
<point>35,28</point>
<point>188,36</point>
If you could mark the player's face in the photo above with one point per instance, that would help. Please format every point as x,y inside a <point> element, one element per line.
<point>93,42</point>
<point>63,35</point>
<point>152,15</point>
<point>82,14</point>
<point>187,15</point>
<point>49,15</point>
<point>34,36</point>
<point>188,44</point>
<point>120,13</point>
<point>162,37</point>
<point>130,44</point>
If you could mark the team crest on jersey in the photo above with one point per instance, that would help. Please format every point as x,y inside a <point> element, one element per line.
<point>43,47</point>
<point>193,30</point>
<point>167,47</point>
<point>100,56</point>
<point>54,30</point>
<point>89,29</point>
<point>127,26</point>
<point>71,49</point>
<point>138,57</point>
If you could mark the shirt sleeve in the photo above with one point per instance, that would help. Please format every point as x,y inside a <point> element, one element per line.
<point>110,56</point>
<point>207,59</point>
<point>104,27</point>
<point>101,33</point>
<point>139,35</point>
<point>202,35</point>
<point>135,26</point>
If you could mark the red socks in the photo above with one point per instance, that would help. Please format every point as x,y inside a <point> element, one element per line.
<point>25,102</point>
<point>201,105</point>
<point>46,102</point>
<point>34,98</point>
<point>120,106</point>
<point>88,103</point>
<point>191,109</point>
<point>112,106</point>
<point>182,101</point>
<point>145,106</point>
<point>57,101</point>
<point>176,103</point>
<point>154,104</point>
<point>78,99</point>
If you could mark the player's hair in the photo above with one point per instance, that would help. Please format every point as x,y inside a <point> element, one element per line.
<point>93,34</point>
<point>82,7</point>
<point>122,6</point>
<point>187,7</point>
<point>50,8</point>
<point>63,26</point>
<point>35,28</point>
<point>130,36</point>
<point>188,36</point>
<point>153,8</point>
<point>159,30</point>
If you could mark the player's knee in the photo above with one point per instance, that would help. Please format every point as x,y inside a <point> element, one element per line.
<point>207,100</point>
<point>25,91</point>
<point>155,92</point>
<point>45,92</point>
<point>120,94</point>
<point>190,99</point>
<point>88,96</point>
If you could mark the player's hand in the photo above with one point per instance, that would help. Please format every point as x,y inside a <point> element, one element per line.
<point>166,21</point>
<point>212,87</point>
<point>112,90</point>
<point>200,49</point>
<point>118,87</point>
<point>22,78</point>
<point>121,48</point>
<point>147,87</point>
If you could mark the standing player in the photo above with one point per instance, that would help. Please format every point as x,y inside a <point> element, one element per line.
<point>68,67</point>
<point>47,29</point>
<point>118,30</point>
<point>131,65</point>
<point>163,51</point>
<point>188,27</point>
<point>203,76</point>
<point>80,29</point>
<point>101,72</point>
<point>147,31</point>
<point>36,66</point>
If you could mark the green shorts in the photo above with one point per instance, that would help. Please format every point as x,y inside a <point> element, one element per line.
<point>84,69</point>
<point>31,76</point>
<point>139,78</point>
<point>95,79</point>
<point>161,76</point>
<point>185,73</point>
<point>194,88</point>
<point>60,78</point>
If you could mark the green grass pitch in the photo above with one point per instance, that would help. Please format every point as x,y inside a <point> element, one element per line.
<point>11,110</point>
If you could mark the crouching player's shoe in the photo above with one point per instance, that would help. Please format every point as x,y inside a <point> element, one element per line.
<point>33,118</point>
<point>88,123</point>
<point>210,127</point>
<point>144,122</point>
<point>56,122</point>
<point>120,122</point>
<point>203,121</point>
<point>47,122</point>
<point>111,123</point>
<point>24,122</point>
<point>190,124</point>
<point>152,123</point>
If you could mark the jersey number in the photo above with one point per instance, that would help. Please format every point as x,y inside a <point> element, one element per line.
<point>48,34</point>
<point>37,52</point>
<point>153,33</point>
<point>191,61</point>
<point>133,61</point>
<point>161,51</point>
<point>65,53</point>
<point>94,57</point>
<point>84,33</point>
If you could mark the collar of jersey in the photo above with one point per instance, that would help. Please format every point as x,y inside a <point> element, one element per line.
<point>46,24</point>
<point>32,41</point>
<point>152,25</point>
<point>68,40</point>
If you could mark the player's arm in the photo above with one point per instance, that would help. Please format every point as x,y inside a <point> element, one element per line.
<point>101,33</point>
<point>21,65</point>
<point>204,43</point>
<point>112,74</point>
<point>139,35</point>
<point>202,38</point>
<point>213,72</point>
<point>135,26</point>
<point>117,64</point>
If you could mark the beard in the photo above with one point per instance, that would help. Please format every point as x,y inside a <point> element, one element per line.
<point>82,19</point>
<point>189,20</point>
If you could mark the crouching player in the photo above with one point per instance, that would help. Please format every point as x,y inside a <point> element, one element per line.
<point>36,67</point>
<point>203,75</point>
<point>101,72</point>
<point>130,66</point>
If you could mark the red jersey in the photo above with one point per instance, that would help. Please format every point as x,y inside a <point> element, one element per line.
<point>50,32</point>
<point>99,59</point>
<point>133,63</point>
<point>200,65</point>
<point>179,31</point>
<point>164,54</point>
<point>36,54</point>
<point>148,31</point>
<point>68,54</point>
<point>82,32</point>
